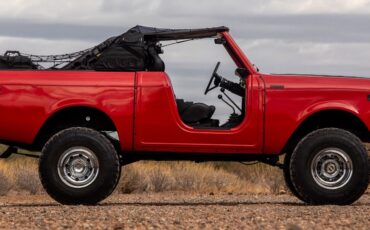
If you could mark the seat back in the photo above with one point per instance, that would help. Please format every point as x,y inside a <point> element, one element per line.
<point>191,112</point>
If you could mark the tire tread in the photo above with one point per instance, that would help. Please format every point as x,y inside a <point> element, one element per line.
<point>296,181</point>
<point>97,197</point>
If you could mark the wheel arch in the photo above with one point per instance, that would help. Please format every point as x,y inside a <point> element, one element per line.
<point>74,115</point>
<point>327,118</point>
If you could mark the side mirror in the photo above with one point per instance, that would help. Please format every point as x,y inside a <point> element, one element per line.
<point>242,72</point>
<point>220,41</point>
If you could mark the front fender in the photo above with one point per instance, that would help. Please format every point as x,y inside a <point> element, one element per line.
<point>326,105</point>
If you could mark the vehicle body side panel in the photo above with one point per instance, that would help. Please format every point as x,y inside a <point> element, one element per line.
<point>29,98</point>
<point>158,126</point>
<point>292,99</point>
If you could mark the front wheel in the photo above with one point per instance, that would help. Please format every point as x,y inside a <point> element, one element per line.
<point>79,166</point>
<point>287,177</point>
<point>330,166</point>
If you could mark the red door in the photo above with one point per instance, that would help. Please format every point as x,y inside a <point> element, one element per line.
<point>159,128</point>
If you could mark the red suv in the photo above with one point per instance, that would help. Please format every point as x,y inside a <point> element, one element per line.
<point>96,110</point>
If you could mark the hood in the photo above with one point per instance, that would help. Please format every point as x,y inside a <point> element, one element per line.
<point>300,81</point>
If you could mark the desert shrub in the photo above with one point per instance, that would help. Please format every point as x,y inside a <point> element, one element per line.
<point>204,177</point>
<point>160,180</point>
<point>27,179</point>
<point>5,184</point>
<point>268,178</point>
<point>179,176</point>
<point>22,174</point>
<point>132,180</point>
<point>185,179</point>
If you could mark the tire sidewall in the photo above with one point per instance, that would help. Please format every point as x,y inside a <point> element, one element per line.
<point>287,177</point>
<point>301,168</point>
<point>104,152</point>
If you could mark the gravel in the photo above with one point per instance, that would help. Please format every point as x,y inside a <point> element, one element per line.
<point>182,211</point>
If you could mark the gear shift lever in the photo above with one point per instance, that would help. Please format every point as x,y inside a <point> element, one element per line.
<point>221,98</point>
<point>223,91</point>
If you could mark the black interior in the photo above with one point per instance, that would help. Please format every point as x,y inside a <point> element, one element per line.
<point>157,64</point>
<point>196,114</point>
<point>199,115</point>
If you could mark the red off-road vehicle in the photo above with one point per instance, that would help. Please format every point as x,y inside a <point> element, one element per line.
<point>114,104</point>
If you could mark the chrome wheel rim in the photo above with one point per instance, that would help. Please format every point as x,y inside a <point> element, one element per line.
<point>331,168</point>
<point>78,167</point>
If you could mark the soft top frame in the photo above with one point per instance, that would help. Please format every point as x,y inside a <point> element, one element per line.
<point>137,36</point>
<point>139,33</point>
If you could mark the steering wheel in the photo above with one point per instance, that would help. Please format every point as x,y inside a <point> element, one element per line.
<point>209,88</point>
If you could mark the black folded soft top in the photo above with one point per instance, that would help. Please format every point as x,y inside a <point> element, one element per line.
<point>140,36</point>
<point>136,49</point>
<point>158,34</point>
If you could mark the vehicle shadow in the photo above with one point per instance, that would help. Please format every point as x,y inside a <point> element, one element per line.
<point>164,203</point>
<point>192,203</point>
<point>172,203</point>
<point>251,203</point>
<point>47,205</point>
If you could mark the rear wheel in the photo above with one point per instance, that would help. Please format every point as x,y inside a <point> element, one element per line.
<point>330,166</point>
<point>79,166</point>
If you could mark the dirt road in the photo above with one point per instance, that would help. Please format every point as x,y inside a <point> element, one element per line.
<point>169,211</point>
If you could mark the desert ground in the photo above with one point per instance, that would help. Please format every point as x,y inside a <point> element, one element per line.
<point>174,195</point>
<point>182,211</point>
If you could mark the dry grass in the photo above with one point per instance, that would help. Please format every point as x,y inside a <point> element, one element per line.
<point>20,174</point>
<point>5,184</point>
<point>200,177</point>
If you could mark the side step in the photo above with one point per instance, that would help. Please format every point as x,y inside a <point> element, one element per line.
<point>14,150</point>
<point>9,151</point>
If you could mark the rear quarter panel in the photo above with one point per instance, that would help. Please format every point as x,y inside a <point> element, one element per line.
<point>29,98</point>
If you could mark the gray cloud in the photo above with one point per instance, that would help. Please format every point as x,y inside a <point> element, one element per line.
<point>14,28</point>
<point>312,28</point>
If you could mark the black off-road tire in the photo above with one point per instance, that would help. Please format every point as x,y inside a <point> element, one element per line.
<point>287,177</point>
<point>322,146</point>
<point>103,181</point>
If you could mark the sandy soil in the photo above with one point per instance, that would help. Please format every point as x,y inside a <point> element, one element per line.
<point>176,211</point>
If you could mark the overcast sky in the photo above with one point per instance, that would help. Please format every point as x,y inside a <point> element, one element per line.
<point>292,36</point>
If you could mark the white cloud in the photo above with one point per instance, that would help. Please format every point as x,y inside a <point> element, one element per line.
<point>167,12</point>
